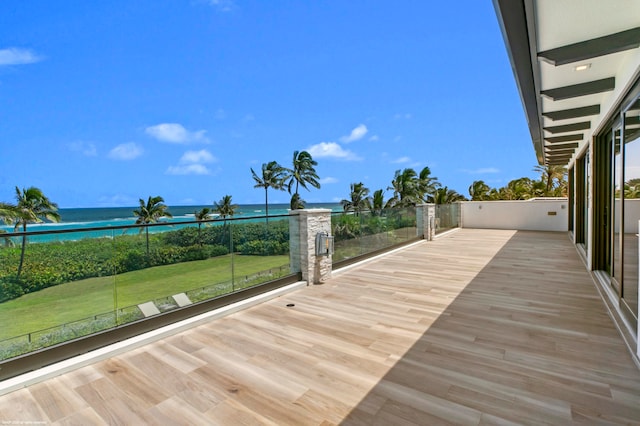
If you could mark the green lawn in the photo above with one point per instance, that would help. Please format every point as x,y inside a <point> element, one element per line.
<point>77,300</point>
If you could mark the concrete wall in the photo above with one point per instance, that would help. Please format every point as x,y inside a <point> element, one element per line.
<point>529,215</point>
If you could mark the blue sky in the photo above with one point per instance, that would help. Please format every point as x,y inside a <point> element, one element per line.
<point>103,103</point>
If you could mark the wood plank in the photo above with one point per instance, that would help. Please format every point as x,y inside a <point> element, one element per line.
<point>477,327</point>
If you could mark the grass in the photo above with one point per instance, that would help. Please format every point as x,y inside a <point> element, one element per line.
<point>77,300</point>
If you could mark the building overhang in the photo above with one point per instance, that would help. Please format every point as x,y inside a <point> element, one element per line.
<point>572,61</point>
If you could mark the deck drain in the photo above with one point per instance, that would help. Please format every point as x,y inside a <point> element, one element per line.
<point>290,305</point>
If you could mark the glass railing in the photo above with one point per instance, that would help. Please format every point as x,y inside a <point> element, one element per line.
<point>447,217</point>
<point>359,234</point>
<point>72,283</point>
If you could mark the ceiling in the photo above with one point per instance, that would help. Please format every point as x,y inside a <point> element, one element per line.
<point>573,61</point>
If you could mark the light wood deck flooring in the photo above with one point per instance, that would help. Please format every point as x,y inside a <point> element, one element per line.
<point>477,327</point>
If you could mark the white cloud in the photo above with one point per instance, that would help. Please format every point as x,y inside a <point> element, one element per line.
<point>223,5</point>
<point>356,134</point>
<point>188,169</point>
<point>401,160</point>
<point>193,163</point>
<point>126,151</point>
<point>480,171</point>
<point>328,180</point>
<point>194,157</point>
<point>331,150</point>
<point>374,138</point>
<point>87,149</point>
<point>16,56</point>
<point>176,133</point>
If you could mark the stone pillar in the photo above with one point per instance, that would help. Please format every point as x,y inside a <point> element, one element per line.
<point>304,225</point>
<point>426,220</point>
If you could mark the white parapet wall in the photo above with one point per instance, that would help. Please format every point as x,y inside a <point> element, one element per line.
<point>538,214</point>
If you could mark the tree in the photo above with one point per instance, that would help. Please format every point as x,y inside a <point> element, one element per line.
<point>225,207</point>
<point>377,202</point>
<point>32,206</point>
<point>273,175</point>
<point>427,185</point>
<point>150,212</point>
<point>479,191</point>
<point>358,199</point>
<point>201,216</point>
<point>8,213</point>
<point>297,203</point>
<point>303,172</point>
<point>445,195</point>
<point>405,189</point>
<point>552,177</point>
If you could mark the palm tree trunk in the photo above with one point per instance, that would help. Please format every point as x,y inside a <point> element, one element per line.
<point>147,234</point>
<point>266,203</point>
<point>24,247</point>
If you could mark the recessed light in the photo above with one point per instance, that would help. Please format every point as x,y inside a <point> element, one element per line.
<point>582,67</point>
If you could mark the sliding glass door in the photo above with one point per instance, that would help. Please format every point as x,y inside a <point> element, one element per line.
<point>631,214</point>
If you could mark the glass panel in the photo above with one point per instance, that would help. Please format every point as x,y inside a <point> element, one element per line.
<point>77,282</point>
<point>617,210</point>
<point>631,207</point>
<point>365,232</point>
<point>446,217</point>
<point>260,251</point>
<point>64,289</point>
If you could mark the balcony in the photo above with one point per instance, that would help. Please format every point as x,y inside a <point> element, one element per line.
<point>476,326</point>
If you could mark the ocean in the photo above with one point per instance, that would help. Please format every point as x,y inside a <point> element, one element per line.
<point>83,218</point>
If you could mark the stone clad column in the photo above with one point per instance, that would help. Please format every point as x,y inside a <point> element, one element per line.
<point>426,219</point>
<point>304,225</point>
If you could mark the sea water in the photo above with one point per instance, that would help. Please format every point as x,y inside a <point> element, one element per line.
<point>74,220</point>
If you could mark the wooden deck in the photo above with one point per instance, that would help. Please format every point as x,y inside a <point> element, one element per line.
<point>477,327</point>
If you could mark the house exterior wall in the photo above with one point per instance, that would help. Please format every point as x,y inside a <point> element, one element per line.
<point>529,215</point>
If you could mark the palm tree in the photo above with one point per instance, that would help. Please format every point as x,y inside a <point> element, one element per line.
<point>302,173</point>
<point>225,207</point>
<point>32,206</point>
<point>150,212</point>
<point>552,176</point>
<point>520,189</point>
<point>359,199</point>
<point>273,175</point>
<point>445,195</point>
<point>405,189</point>
<point>427,185</point>
<point>377,202</point>
<point>479,191</point>
<point>8,213</point>
<point>202,216</point>
<point>297,203</point>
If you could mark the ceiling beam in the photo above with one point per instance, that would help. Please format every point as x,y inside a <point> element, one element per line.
<point>560,157</point>
<point>583,125</point>
<point>582,89</point>
<point>573,113</point>
<point>606,45</point>
<point>559,150</point>
<point>565,138</point>
<point>562,146</point>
